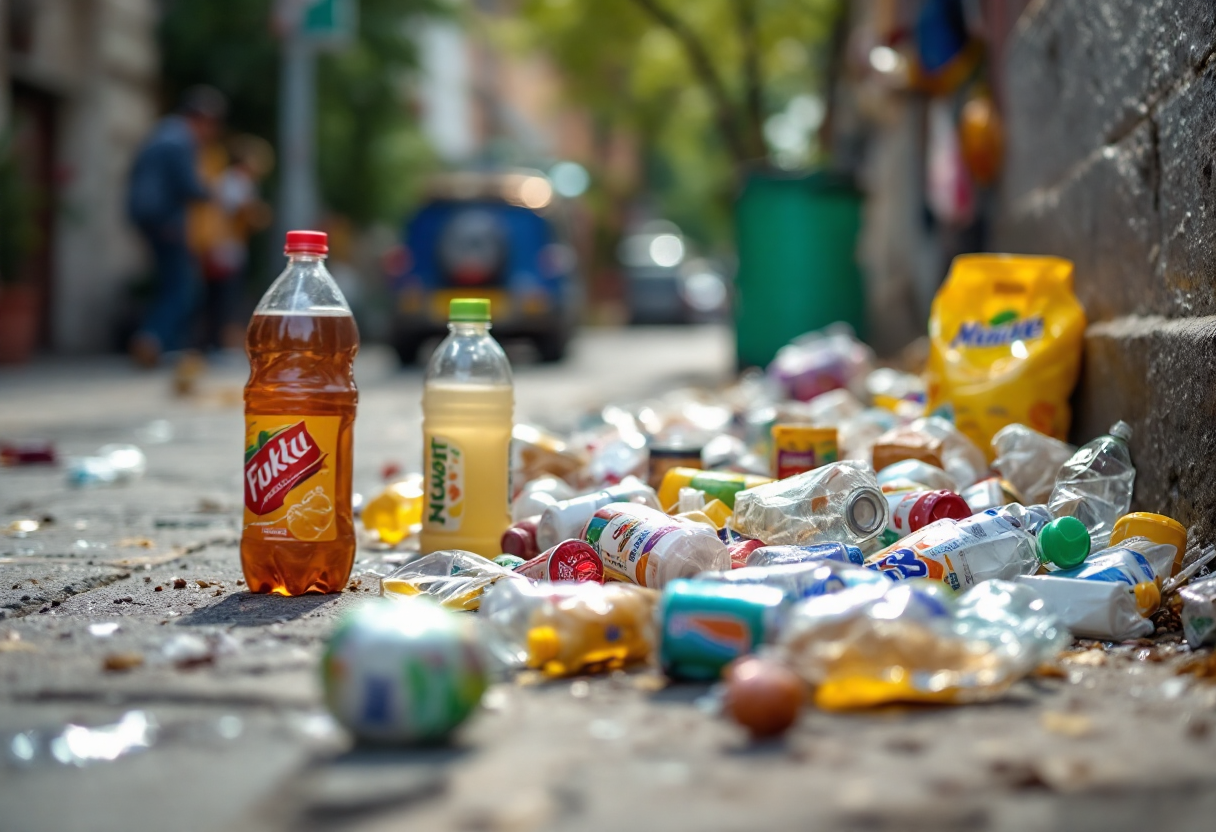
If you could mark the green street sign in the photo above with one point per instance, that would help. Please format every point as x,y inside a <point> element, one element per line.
<point>331,22</point>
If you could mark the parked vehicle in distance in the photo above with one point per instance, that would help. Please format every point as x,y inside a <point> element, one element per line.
<point>663,285</point>
<point>499,236</point>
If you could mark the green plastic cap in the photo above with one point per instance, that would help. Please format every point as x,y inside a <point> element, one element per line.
<point>471,310</point>
<point>1064,542</point>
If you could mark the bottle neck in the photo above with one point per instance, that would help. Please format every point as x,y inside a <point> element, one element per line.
<point>300,259</point>
<point>469,327</point>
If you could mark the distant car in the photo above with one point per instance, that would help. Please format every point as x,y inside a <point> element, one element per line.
<point>663,285</point>
<point>497,236</point>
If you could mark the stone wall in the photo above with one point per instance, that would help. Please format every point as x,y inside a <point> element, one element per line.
<point>1110,108</point>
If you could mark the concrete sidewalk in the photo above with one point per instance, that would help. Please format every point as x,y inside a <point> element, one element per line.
<point>1118,740</point>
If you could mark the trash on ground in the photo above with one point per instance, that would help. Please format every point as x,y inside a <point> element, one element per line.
<point>22,528</point>
<point>405,672</point>
<point>31,452</point>
<point>455,579</point>
<point>825,533</point>
<point>81,745</point>
<point>1005,337</point>
<point>911,642</point>
<point>762,695</point>
<point>568,628</point>
<point>110,464</point>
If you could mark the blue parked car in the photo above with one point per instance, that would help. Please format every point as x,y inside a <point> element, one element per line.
<point>497,236</point>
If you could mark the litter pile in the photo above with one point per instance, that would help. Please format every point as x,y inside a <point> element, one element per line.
<point>828,531</point>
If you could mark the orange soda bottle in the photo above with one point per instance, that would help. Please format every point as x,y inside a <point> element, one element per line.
<point>298,534</point>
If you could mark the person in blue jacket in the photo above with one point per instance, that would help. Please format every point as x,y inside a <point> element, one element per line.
<point>164,181</point>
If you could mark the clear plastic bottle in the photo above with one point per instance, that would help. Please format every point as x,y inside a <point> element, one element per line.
<point>565,520</point>
<point>467,412</point>
<point>567,628</point>
<point>1095,484</point>
<point>300,400</point>
<point>839,502</point>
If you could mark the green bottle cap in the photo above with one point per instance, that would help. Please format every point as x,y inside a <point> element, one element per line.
<point>1064,542</point>
<point>469,310</point>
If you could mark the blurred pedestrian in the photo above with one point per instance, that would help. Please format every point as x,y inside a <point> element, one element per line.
<point>219,229</point>
<point>164,181</point>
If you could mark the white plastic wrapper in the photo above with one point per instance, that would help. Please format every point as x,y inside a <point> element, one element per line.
<point>984,495</point>
<point>856,435</point>
<point>1029,460</point>
<point>1092,609</point>
<point>919,472</point>
<point>832,409</point>
<point>1199,612</point>
<point>961,459</point>
<point>839,502</point>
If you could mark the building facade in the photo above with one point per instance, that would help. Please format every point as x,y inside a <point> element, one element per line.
<point>77,96</point>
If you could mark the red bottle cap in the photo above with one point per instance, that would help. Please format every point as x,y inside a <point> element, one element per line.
<point>518,542</point>
<point>937,505</point>
<point>570,560</point>
<point>306,242</point>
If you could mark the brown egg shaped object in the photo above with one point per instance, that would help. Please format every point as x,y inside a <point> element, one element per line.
<point>763,695</point>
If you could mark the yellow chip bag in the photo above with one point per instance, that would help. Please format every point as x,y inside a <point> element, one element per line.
<point>1005,335</point>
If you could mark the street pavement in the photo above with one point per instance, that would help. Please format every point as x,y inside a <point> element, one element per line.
<point>127,605</point>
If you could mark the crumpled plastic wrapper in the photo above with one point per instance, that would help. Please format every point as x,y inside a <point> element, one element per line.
<point>911,642</point>
<point>454,578</point>
<point>817,362</point>
<point>839,502</point>
<point>933,439</point>
<point>1029,460</point>
<point>1199,612</point>
<point>568,628</point>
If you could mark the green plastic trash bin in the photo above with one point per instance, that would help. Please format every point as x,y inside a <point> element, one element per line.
<point>797,238</point>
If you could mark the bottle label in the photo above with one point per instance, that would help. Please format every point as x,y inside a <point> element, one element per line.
<point>445,484</point>
<point>625,542</point>
<point>901,508</point>
<point>290,477</point>
<point>797,449</point>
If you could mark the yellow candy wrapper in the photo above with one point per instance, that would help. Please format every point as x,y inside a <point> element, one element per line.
<point>1005,337</point>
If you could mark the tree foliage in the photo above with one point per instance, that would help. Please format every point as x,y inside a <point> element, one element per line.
<point>696,81</point>
<point>369,150</point>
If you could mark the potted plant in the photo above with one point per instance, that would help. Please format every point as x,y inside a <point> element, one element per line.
<point>18,237</point>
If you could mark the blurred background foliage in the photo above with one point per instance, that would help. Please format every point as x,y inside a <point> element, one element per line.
<point>698,82</point>
<point>701,85</point>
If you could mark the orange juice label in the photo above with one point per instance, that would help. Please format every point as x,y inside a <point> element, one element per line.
<point>445,484</point>
<point>290,477</point>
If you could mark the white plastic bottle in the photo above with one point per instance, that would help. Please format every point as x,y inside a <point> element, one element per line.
<point>644,546</point>
<point>467,412</point>
<point>1095,484</point>
<point>565,520</point>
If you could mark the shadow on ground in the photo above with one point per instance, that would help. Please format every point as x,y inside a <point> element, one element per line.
<point>248,609</point>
